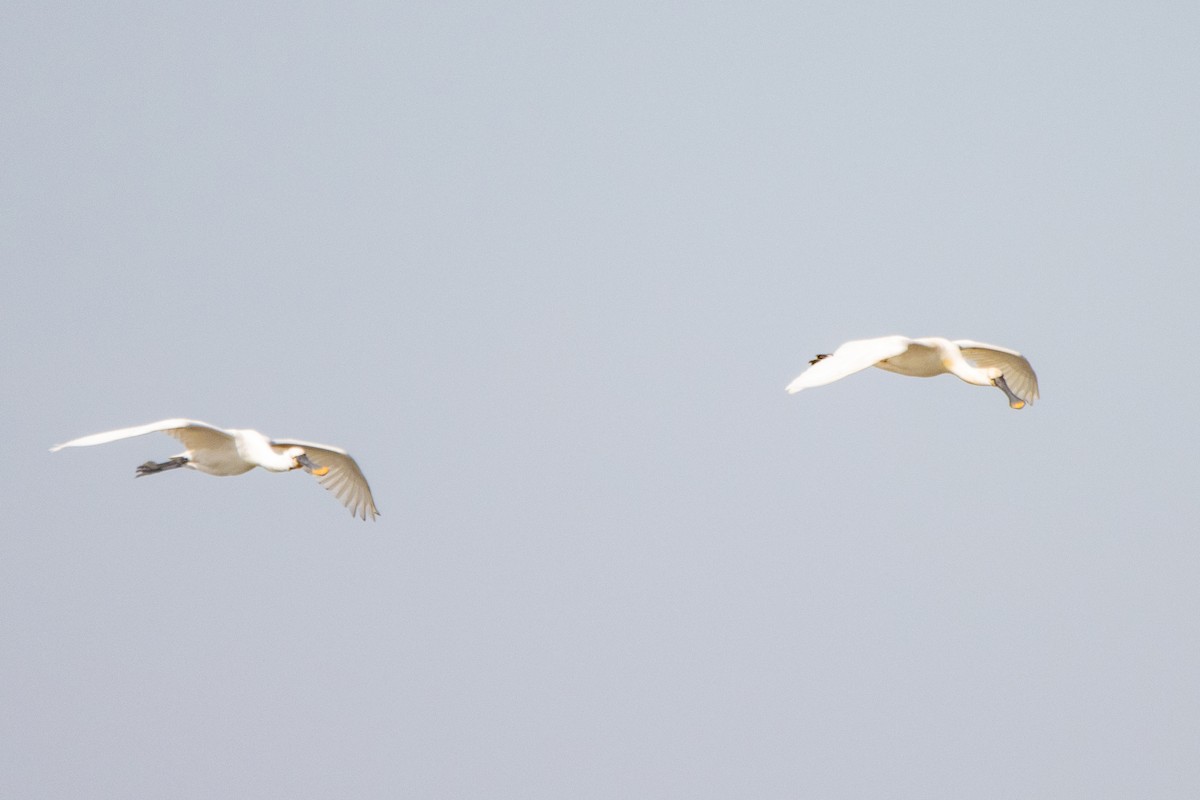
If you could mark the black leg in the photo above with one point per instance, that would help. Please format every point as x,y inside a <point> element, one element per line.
<point>149,468</point>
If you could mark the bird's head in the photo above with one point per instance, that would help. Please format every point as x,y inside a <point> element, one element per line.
<point>300,460</point>
<point>999,382</point>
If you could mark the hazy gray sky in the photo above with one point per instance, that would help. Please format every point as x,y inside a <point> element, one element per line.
<point>545,269</point>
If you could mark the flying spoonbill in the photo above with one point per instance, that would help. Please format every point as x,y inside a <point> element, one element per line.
<point>973,362</point>
<point>216,451</point>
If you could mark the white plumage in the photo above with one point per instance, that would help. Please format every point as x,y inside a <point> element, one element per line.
<point>216,451</point>
<point>974,362</point>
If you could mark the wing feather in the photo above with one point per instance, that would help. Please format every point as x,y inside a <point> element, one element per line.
<point>1018,373</point>
<point>851,357</point>
<point>191,432</point>
<point>344,480</point>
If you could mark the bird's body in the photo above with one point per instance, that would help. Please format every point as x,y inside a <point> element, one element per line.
<point>216,451</point>
<point>974,362</point>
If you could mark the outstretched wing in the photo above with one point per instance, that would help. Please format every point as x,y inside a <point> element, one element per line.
<point>192,433</point>
<point>1019,376</point>
<point>344,478</point>
<point>851,357</point>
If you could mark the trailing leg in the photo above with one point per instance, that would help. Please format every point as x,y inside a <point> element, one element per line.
<point>150,467</point>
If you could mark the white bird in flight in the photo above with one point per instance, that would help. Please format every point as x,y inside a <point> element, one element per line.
<point>973,362</point>
<point>216,451</point>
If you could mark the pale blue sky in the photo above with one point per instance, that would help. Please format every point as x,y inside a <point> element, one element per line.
<point>545,271</point>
